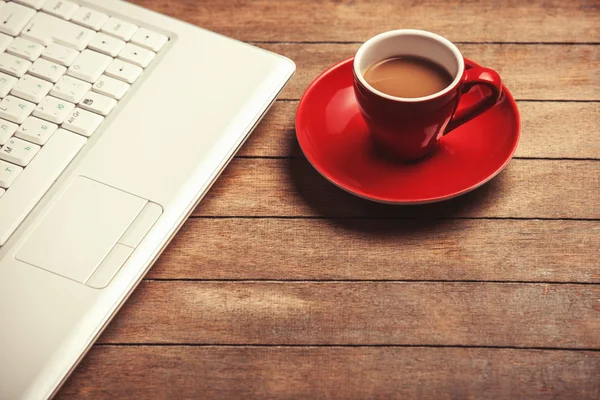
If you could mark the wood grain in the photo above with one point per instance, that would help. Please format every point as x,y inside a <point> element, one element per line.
<point>365,313</point>
<point>333,373</point>
<point>349,333</point>
<point>340,249</point>
<point>291,187</point>
<point>531,72</point>
<point>314,20</point>
<point>549,130</point>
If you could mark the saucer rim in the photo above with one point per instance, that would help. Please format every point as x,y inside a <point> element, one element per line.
<point>384,200</point>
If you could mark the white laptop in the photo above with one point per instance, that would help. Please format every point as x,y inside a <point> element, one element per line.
<point>114,122</point>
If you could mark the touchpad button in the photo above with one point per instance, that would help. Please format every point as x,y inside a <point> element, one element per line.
<point>81,229</point>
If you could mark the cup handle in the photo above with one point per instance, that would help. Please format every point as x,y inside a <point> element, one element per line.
<point>476,76</point>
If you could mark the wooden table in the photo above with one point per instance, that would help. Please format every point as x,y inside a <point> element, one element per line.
<point>283,286</point>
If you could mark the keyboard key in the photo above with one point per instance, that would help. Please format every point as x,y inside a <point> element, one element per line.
<point>6,84</point>
<point>15,110</point>
<point>8,173</point>
<point>110,87</point>
<point>25,49</point>
<point>83,122</point>
<point>14,17</point>
<point>97,103</point>
<point>70,89</point>
<point>61,8</point>
<point>37,4</point>
<point>124,71</point>
<point>17,151</point>
<point>106,44</point>
<point>5,41</point>
<point>89,65</point>
<point>136,55</point>
<point>121,29</point>
<point>2,191</point>
<point>7,129</point>
<point>35,180</point>
<point>46,29</point>
<point>89,18</point>
<point>13,65</point>
<point>53,109</point>
<point>60,54</point>
<point>149,40</point>
<point>47,70</point>
<point>31,88</point>
<point>36,130</point>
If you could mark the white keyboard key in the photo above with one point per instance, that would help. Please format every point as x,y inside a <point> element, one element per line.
<point>70,89</point>
<point>47,70</point>
<point>89,65</point>
<point>13,65</point>
<point>35,180</point>
<point>45,29</point>
<point>89,18</point>
<point>111,87</point>
<point>148,39</point>
<point>136,55</point>
<point>124,71</point>
<point>17,151</point>
<point>25,49</point>
<point>37,4</point>
<point>83,122</point>
<point>36,130</point>
<point>97,103</point>
<point>6,84</point>
<point>8,173</point>
<point>14,17</point>
<point>5,40</point>
<point>53,109</point>
<point>31,88</point>
<point>61,8</point>
<point>60,54</point>
<point>106,44</point>
<point>15,110</point>
<point>121,29</point>
<point>7,129</point>
<point>2,191</point>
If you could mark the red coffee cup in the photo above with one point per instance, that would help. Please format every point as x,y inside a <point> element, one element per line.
<point>410,128</point>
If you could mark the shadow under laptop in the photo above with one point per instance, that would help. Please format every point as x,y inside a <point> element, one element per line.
<point>327,200</point>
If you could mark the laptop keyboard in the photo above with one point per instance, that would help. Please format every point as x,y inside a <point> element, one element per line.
<point>63,69</point>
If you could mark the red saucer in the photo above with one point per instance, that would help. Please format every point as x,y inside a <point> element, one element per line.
<point>336,141</point>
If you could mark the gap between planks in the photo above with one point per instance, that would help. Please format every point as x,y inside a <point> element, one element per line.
<point>514,158</point>
<point>517,100</point>
<point>342,281</point>
<point>303,217</point>
<point>456,42</point>
<point>333,346</point>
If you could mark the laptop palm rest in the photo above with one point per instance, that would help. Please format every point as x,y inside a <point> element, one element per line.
<point>82,229</point>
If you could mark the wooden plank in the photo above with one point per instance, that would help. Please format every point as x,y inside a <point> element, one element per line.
<point>365,313</point>
<point>333,373</point>
<point>291,187</point>
<point>314,20</point>
<point>538,72</point>
<point>483,250</point>
<point>549,130</point>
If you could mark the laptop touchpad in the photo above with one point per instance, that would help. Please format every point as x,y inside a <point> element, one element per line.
<point>81,229</point>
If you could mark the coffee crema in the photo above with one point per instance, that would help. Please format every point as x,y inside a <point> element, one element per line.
<point>408,77</point>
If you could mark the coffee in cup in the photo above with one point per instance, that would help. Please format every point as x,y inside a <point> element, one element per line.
<point>407,76</point>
